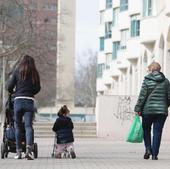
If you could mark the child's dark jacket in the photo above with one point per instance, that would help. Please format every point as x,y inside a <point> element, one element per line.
<point>63,127</point>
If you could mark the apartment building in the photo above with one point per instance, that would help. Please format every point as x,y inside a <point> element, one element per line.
<point>132,34</point>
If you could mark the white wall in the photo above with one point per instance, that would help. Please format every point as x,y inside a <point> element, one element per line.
<point>114,116</point>
<point>149,29</point>
<point>123,20</point>
<point>101,30</point>
<point>108,15</point>
<point>102,5</point>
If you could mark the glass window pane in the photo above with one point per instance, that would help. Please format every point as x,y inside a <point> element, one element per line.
<point>123,5</point>
<point>102,17</point>
<point>116,46</point>
<point>147,7</point>
<point>115,16</point>
<point>124,36</point>
<point>100,68</point>
<point>108,4</point>
<point>108,29</point>
<point>101,43</point>
<point>135,25</point>
<point>108,60</point>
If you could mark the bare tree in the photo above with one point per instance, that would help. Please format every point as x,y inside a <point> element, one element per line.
<point>23,31</point>
<point>85,79</point>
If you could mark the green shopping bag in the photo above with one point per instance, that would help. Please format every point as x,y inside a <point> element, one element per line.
<point>135,134</point>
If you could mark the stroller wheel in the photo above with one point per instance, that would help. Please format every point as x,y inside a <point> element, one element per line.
<point>35,150</point>
<point>6,154</point>
<point>52,155</point>
<point>2,150</point>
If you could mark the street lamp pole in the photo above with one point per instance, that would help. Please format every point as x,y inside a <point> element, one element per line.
<point>3,69</point>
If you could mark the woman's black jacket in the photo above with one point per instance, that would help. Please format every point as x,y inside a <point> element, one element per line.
<point>22,88</point>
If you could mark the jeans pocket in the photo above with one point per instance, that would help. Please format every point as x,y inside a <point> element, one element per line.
<point>29,105</point>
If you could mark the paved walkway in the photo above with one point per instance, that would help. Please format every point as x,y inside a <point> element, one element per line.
<point>92,154</point>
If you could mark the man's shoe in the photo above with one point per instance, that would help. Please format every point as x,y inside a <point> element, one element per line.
<point>147,154</point>
<point>154,158</point>
<point>18,156</point>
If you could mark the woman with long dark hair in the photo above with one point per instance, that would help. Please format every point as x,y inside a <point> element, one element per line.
<point>24,83</point>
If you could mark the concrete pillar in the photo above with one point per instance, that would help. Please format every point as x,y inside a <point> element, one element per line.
<point>65,52</point>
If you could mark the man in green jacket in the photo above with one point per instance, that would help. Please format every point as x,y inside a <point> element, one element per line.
<point>152,105</point>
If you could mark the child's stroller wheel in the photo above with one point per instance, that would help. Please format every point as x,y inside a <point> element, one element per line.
<point>6,154</point>
<point>2,150</point>
<point>52,155</point>
<point>35,150</point>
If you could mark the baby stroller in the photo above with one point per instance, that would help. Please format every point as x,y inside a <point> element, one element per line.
<point>8,142</point>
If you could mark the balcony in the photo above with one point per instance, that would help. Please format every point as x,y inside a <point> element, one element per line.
<point>122,62</point>
<point>107,80</point>
<point>108,45</point>
<point>116,3</point>
<point>101,58</point>
<point>102,5</point>
<point>123,67</point>
<point>100,87</point>
<point>134,8</point>
<point>167,11</point>
<point>122,55</point>
<point>101,30</point>
<point>108,16</point>
<point>115,74</point>
<point>133,49</point>
<point>116,34</point>
<point>149,30</point>
<point>124,20</point>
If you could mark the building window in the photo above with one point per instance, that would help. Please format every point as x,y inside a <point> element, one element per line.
<point>115,16</point>
<point>116,47</point>
<point>100,68</point>
<point>135,25</point>
<point>108,4</point>
<point>124,37</point>
<point>108,30</point>
<point>101,43</point>
<point>147,7</point>
<point>108,60</point>
<point>123,5</point>
<point>102,17</point>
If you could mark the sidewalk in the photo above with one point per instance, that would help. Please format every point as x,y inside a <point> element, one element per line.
<point>92,154</point>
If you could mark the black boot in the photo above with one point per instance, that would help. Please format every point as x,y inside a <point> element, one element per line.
<point>147,154</point>
<point>154,157</point>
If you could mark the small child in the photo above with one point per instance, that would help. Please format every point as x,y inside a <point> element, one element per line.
<point>63,127</point>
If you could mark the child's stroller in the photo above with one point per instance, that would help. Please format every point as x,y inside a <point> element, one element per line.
<point>9,144</point>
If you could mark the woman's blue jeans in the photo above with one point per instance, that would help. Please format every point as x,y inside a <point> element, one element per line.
<point>158,121</point>
<point>23,110</point>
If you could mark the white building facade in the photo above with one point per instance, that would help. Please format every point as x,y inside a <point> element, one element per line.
<point>132,34</point>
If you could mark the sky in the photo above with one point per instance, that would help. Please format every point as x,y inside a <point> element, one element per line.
<point>87,21</point>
